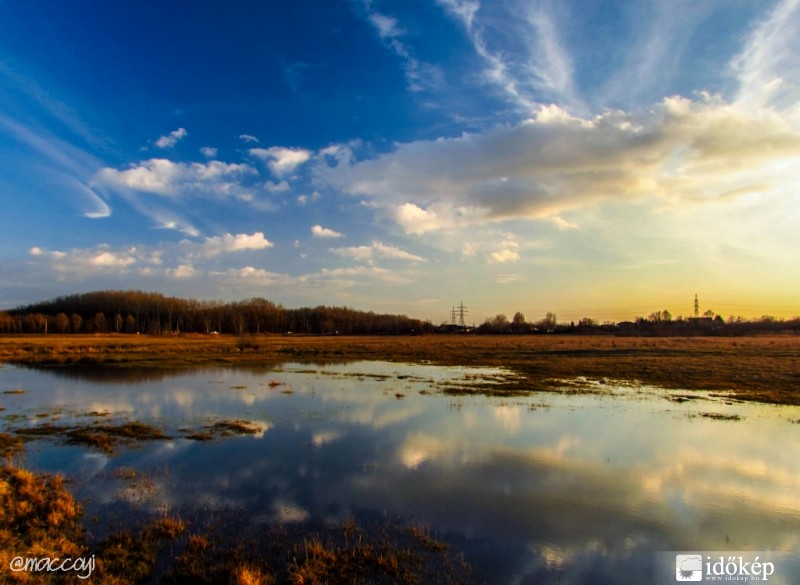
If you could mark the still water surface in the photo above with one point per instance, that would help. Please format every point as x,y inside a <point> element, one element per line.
<point>582,486</point>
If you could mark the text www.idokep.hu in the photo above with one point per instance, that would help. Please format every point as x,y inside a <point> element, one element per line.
<point>81,565</point>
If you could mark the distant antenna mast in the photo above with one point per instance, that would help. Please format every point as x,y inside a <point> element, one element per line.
<point>462,310</point>
<point>696,307</point>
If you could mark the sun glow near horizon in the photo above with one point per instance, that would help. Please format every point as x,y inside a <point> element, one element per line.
<point>603,161</point>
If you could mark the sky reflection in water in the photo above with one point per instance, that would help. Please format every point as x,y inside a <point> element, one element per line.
<point>581,487</point>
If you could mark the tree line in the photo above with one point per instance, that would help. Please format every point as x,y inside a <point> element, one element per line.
<point>157,314</point>
<point>658,323</point>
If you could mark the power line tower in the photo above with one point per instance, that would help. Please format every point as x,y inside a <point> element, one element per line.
<point>696,307</point>
<point>453,315</point>
<point>462,310</point>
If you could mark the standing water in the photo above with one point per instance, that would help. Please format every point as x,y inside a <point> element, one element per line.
<point>580,486</point>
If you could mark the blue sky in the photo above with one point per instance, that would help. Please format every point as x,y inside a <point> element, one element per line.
<point>604,159</point>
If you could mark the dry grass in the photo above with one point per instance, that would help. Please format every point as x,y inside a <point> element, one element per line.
<point>38,518</point>
<point>755,368</point>
<point>9,446</point>
<point>349,554</point>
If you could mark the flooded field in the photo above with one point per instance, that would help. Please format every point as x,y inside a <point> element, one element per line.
<point>583,485</point>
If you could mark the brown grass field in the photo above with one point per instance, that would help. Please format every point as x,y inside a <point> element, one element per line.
<point>765,369</point>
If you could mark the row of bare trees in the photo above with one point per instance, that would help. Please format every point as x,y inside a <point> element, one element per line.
<point>658,323</point>
<point>500,324</point>
<point>154,313</point>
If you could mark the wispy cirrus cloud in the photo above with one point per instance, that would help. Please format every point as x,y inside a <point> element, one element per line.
<point>767,68</point>
<point>419,75</point>
<point>525,58</point>
<point>376,250</point>
<point>69,168</point>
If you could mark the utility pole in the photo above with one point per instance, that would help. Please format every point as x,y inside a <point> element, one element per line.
<point>696,307</point>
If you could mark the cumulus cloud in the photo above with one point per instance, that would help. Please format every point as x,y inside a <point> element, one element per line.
<point>248,138</point>
<point>164,265</point>
<point>171,139</point>
<point>80,262</point>
<point>216,245</point>
<point>681,151</point>
<point>318,231</point>
<point>415,220</point>
<point>280,160</point>
<point>507,251</point>
<point>209,151</point>
<point>164,177</point>
<point>182,271</point>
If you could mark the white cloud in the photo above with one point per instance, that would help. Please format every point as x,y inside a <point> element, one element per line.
<point>507,251</point>
<point>386,25</point>
<point>415,220</point>
<point>250,275</point>
<point>111,260</point>
<point>767,68</point>
<point>438,217</point>
<point>171,139</point>
<point>355,275</point>
<point>80,262</point>
<point>182,271</point>
<point>549,60</point>
<point>216,245</point>
<point>209,151</point>
<point>662,31</point>
<point>464,10</point>
<point>418,75</point>
<point>682,151</point>
<point>468,250</point>
<point>562,223</point>
<point>498,72</point>
<point>280,160</point>
<point>248,138</point>
<point>376,250</point>
<point>318,231</point>
<point>279,187</point>
<point>163,177</point>
<point>99,208</point>
<point>67,167</point>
